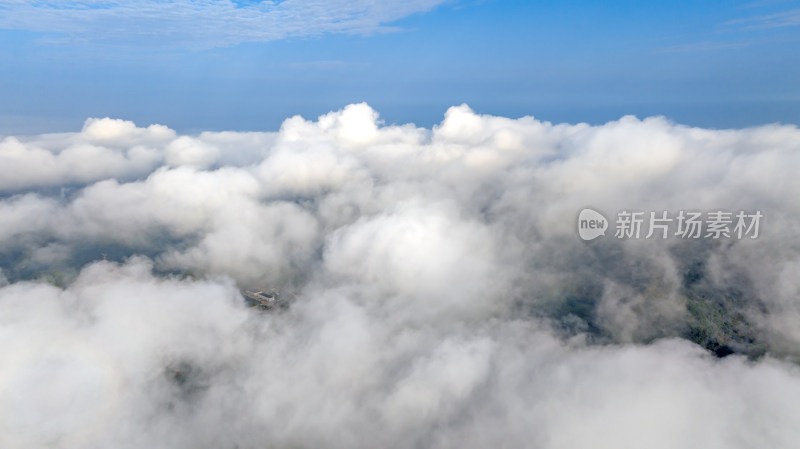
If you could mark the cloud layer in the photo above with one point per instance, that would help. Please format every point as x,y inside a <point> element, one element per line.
<point>209,23</point>
<point>441,295</point>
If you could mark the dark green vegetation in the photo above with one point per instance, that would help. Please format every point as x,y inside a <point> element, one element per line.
<point>717,315</point>
<point>613,287</point>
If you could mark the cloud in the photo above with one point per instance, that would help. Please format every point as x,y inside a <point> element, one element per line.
<point>439,294</point>
<point>207,23</point>
<point>788,18</point>
<point>125,359</point>
<point>116,149</point>
<point>707,46</point>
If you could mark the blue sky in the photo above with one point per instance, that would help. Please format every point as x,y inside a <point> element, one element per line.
<point>247,65</point>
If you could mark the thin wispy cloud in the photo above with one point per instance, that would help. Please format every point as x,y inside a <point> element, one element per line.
<point>740,32</point>
<point>762,3</point>
<point>703,46</point>
<point>208,23</point>
<point>782,19</point>
<point>326,65</point>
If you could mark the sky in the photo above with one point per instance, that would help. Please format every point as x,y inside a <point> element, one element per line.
<point>247,65</point>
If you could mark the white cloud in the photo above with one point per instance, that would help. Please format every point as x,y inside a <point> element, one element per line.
<point>125,359</point>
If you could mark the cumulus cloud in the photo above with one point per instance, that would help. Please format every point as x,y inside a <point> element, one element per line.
<point>438,293</point>
<point>205,23</point>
